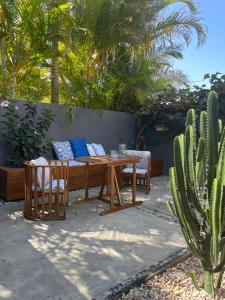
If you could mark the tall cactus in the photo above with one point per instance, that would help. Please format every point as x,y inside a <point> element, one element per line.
<point>198,187</point>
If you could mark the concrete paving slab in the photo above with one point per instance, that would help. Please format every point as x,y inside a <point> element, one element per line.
<point>84,256</point>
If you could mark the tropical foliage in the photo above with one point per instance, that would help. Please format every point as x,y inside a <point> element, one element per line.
<point>94,53</point>
<point>163,116</point>
<point>25,131</point>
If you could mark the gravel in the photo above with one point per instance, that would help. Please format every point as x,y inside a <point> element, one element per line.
<point>174,284</point>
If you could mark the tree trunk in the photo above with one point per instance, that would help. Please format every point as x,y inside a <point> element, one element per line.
<point>14,85</point>
<point>3,48</point>
<point>132,56</point>
<point>55,73</point>
<point>106,62</point>
<point>88,65</point>
<point>113,54</point>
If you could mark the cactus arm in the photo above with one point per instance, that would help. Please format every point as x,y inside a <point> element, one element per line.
<point>191,121</point>
<point>203,124</point>
<point>221,175</point>
<point>200,168</point>
<point>216,217</point>
<point>189,155</point>
<point>201,150</point>
<point>201,165</point>
<point>212,138</point>
<point>189,164</point>
<point>220,129</point>
<point>171,207</point>
<point>221,141</point>
<point>179,213</point>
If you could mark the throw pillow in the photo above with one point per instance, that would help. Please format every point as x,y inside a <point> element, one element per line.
<point>63,150</point>
<point>91,150</point>
<point>99,150</point>
<point>79,147</point>
<point>41,161</point>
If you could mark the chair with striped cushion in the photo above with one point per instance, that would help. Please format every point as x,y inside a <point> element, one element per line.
<point>46,189</point>
<point>143,170</point>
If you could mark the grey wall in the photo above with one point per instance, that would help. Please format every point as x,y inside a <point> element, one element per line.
<point>99,126</point>
<point>164,151</point>
<point>106,127</point>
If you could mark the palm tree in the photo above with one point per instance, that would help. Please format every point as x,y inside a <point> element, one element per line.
<point>49,25</point>
<point>141,30</point>
<point>8,22</point>
<point>112,39</point>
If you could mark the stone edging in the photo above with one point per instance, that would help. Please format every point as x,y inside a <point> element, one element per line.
<point>157,213</point>
<point>141,277</point>
<point>3,202</point>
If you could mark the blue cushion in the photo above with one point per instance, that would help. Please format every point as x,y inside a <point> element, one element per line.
<point>79,147</point>
<point>63,150</point>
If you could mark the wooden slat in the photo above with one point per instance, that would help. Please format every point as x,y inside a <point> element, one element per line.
<point>45,210</point>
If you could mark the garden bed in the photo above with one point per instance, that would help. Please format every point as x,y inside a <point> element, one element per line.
<point>174,283</point>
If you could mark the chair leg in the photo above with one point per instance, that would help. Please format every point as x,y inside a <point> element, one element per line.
<point>148,184</point>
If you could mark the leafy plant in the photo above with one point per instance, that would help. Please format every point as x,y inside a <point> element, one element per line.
<point>162,116</point>
<point>92,53</point>
<point>198,187</point>
<point>25,133</point>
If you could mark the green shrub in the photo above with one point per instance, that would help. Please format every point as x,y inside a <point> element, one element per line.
<point>25,132</point>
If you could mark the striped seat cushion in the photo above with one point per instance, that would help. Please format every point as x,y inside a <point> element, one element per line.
<point>54,186</point>
<point>138,171</point>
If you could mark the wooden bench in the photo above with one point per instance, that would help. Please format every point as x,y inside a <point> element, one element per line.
<point>12,179</point>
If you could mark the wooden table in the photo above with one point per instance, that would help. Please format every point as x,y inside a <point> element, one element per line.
<point>112,182</point>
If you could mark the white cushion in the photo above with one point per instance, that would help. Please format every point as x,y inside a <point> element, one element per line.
<point>91,149</point>
<point>99,150</point>
<point>54,186</point>
<point>70,163</point>
<point>41,161</point>
<point>145,155</point>
<point>138,171</point>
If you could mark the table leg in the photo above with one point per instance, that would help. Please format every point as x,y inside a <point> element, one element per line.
<point>108,181</point>
<point>134,184</point>
<point>86,188</point>
<point>118,191</point>
<point>105,182</point>
<point>86,180</point>
<point>112,186</point>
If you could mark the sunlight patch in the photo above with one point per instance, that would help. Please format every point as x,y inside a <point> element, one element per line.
<point>5,293</point>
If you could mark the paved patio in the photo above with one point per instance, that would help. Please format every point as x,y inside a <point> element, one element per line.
<point>86,255</point>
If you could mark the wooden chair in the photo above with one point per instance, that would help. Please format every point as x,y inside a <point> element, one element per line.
<point>143,170</point>
<point>46,191</point>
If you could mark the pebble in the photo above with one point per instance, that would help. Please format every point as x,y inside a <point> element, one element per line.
<point>174,284</point>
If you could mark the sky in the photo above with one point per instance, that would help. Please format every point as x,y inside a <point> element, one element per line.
<point>210,58</point>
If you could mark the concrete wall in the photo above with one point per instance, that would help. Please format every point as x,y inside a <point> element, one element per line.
<point>106,127</point>
<point>99,126</point>
<point>164,151</point>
